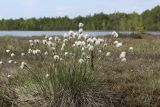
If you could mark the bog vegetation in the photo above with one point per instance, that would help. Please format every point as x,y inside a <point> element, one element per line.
<point>149,20</point>
<point>78,70</point>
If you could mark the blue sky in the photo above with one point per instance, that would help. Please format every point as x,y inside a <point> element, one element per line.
<point>71,8</point>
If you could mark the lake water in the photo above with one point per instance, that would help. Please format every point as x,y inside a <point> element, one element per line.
<point>39,33</point>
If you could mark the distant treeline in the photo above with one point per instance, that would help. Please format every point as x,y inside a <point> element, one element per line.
<point>149,20</point>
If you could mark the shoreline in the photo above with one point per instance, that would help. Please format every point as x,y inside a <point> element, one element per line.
<point>136,36</point>
<point>61,33</point>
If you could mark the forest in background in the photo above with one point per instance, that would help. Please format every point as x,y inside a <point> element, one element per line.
<point>149,20</point>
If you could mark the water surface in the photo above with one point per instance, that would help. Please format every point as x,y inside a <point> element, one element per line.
<point>53,33</point>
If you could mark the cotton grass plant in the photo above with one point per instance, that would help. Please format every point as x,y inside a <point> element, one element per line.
<point>64,78</point>
<point>66,84</point>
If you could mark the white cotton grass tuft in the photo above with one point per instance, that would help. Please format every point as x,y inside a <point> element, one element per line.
<point>80,30</point>
<point>114,34</point>
<point>108,54</point>
<point>75,35</point>
<point>90,40</point>
<point>50,38</point>
<point>10,61</point>
<point>80,36</point>
<point>119,44</point>
<point>46,53</point>
<point>7,51</point>
<point>66,54</point>
<point>80,43</point>
<point>34,52</point>
<point>80,61</point>
<point>88,57</point>
<point>105,45</point>
<point>56,57</point>
<point>122,55</point>
<point>12,54</point>
<point>23,54</point>
<point>80,25</point>
<point>30,51</point>
<point>130,49</point>
<point>31,44</point>
<point>47,75</point>
<point>63,45</point>
<point>62,48</point>
<point>44,42</point>
<point>50,43</point>
<point>100,40</point>
<point>36,41</point>
<point>99,51</point>
<point>30,41</point>
<point>71,33</point>
<point>46,37</point>
<point>15,62</point>
<point>38,51</point>
<point>1,62</point>
<point>83,53</point>
<point>56,39</point>
<point>74,45</point>
<point>90,47</point>
<point>123,60</point>
<point>94,39</point>
<point>59,40</point>
<point>115,42</point>
<point>82,49</point>
<point>65,40</point>
<point>23,65</point>
<point>53,49</point>
<point>97,42</point>
<point>8,75</point>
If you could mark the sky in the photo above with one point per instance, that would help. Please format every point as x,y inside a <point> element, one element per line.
<point>70,8</point>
